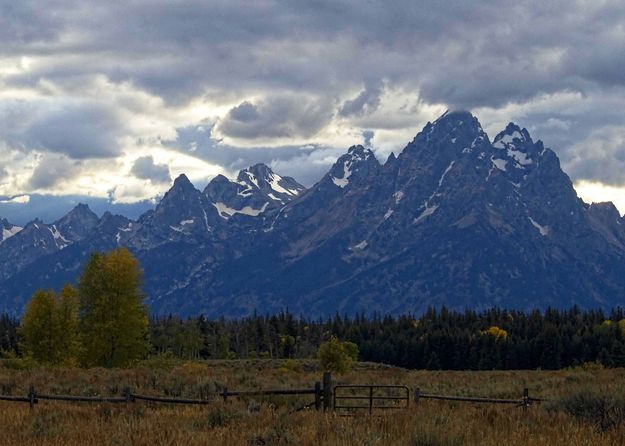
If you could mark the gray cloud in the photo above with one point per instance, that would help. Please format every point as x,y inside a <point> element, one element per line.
<point>278,117</point>
<point>76,128</point>
<point>51,170</point>
<point>468,54</point>
<point>293,68</point>
<point>145,168</point>
<point>367,137</point>
<point>291,160</point>
<point>366,102</point>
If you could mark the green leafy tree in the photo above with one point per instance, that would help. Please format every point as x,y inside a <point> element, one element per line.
<point>113,318</point>
<point>337,356</point>
<point>49,327</point>
<point>67,314</point>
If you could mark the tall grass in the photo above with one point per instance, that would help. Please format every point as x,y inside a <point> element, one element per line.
<point>269,421</point>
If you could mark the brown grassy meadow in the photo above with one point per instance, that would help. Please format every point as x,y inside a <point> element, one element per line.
<point>269,421</point>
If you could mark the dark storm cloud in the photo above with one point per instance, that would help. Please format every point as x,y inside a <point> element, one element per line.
<point>366,102</point>
<point>367,137</point>
<point>293,67</point>
<point>145,169</point>
<point>468,53</point>
<point>278,117</point>
<point>76,129</point>
<point>51,170</point>
<point>23,22</point>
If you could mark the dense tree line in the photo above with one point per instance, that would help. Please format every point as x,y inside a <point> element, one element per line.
<point>439,339</point>
<point>8,334</point>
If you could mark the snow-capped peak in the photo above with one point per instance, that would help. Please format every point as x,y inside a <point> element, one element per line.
<point>515,144</point>
<point>512,133</point>
<point>8,230</point>
<point>255,190</point>
<point>356,159</point>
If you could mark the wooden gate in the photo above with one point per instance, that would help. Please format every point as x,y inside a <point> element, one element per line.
<point>354,398</point>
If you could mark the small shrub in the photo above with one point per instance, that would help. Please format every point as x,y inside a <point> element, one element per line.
<point>337,356</point>
<point>606,411</point>
<point>18,364</point>
<point>46,424</point>
<point>160,361</point>
<point>291,365</point>
<point>280,433</point>
<point>216,417</point>
<point>431,439</point>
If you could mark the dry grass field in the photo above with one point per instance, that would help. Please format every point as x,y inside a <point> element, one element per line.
<point>269,421</point>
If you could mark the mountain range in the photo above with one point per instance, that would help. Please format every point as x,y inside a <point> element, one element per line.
<point>455,219</point>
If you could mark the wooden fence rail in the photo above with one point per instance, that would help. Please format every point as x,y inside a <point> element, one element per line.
<point>128,397</point>
<point>324,396</point>
<point>525,401</point>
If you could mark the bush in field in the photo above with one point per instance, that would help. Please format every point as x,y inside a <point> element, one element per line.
<point>605,410</point>
<point>430,439</point>
<point>337,356</point>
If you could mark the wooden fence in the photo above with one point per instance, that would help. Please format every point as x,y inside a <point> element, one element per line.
<point>525,401</point>
<point>325,397</point>
<point>322,396</point>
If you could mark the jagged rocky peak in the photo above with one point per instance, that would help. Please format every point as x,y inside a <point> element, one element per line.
<point>511,133</point>
<point>183,209</point>
<point>182,184</point>
<point>516,144</point>
<point>256,189</point>
<point>453,127</point>
<point>606,212</point>
<point>452,135</point>
<point>77,223</point>
<point>357,165</point>
<point>261,177</point>
<point>7,230</point>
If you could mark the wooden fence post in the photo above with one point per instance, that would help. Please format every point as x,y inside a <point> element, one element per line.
<point>318,396</point>
<point>417,395</point>
<point>126,393</point>
<point>31,396</point>
<point>225,394</point>
<point>526,398</point>
<point>327,391</point>
<point>370,400</point>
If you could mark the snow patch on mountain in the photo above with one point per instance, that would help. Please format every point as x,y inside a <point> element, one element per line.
<point>226,212</point>
<point>429,210</point>
<point>503,142</point>
<point>499,164</point>
<point>442,178</point>
<point>60,241</point>
<point>274,183</point>
<point>10,232</point>
<point>343,181</point>
<point>544,230</point>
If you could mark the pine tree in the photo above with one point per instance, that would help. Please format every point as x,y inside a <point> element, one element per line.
<point>113,319</point>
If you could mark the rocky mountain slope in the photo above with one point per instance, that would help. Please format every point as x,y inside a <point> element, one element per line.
<point>454,220</point>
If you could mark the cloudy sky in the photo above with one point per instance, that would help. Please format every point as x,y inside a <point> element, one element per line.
<point>107,102</point>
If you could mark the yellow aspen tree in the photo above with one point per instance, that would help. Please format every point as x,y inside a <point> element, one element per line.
<point>40,329</point>
<point>113,318</point>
